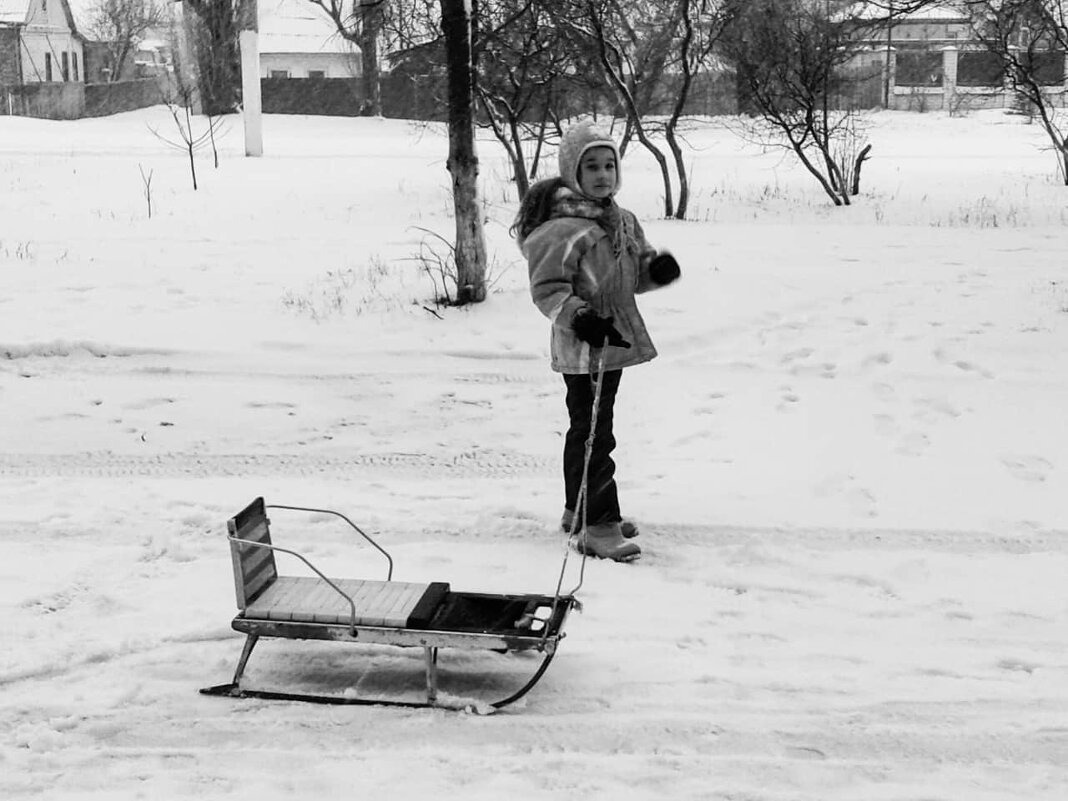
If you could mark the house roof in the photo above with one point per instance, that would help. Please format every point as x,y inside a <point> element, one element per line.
<point>18,12</point>
<point>14,10</point>
<point>298,26</point>
<point>81,11</point>
<point>285,26</point>
<point>948,10</point>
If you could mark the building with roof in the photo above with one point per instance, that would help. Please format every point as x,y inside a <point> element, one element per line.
<point>39,43</point>
<point>299,40</point>
<point>934,59</point>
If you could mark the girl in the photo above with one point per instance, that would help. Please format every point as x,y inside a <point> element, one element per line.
<point>587,259</point>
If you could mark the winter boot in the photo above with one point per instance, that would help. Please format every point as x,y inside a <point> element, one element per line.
<point>606,541</point>
<point>628,527</point>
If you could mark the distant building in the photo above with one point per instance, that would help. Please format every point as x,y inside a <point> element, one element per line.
<point>39,43</point>
<point>299,40</point>
<point>933,59</point>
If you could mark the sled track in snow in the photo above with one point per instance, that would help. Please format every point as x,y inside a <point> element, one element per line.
<point>471,464</point>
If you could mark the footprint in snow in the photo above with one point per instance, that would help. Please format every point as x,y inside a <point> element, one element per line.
<point>861,502</point>
<point>914,444</point>
<point>930,410</point>
<point>148,403</point>
<point>1018,665</point>
<point>878,359</point>
<point>884,392</point>
<point>789,400</point>
<point>795,355</point>
<point>961,364</point>
<point>885,424</point>
<point>1027,468</point>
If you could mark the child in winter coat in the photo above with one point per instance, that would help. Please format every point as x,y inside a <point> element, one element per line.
<point>587,260</point>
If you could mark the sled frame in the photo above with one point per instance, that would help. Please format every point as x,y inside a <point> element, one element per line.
<point>255,572</point>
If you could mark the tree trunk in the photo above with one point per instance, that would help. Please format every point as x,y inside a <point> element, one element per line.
<point>522,180</point>
<point>370,25</point>
<point>633,115</point>
<point>470,249</point>
<point>680,168</point>
<point>218,59</point>
<point>861,158</point>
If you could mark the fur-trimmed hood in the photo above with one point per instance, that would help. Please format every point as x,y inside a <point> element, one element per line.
<point>576,141</point>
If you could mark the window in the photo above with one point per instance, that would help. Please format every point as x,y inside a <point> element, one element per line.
<point>74,64</point>
<point>279,73</point>
<point>979,68</point>
<point>64,60</point>
<point>48,67</point>
<point>918,68</point>
<point>316,73</point>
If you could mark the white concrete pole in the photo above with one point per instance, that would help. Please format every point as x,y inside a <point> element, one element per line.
<point>251,105</point>
<point>890,78</point>
<point>949,76</point>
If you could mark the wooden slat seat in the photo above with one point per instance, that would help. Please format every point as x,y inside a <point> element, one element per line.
<point>406,614</point>
<point>309,599</point>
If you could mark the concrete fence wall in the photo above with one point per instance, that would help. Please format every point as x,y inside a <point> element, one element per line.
<point>50,101</point>
<point>102,99</point>
<point>72,100</point>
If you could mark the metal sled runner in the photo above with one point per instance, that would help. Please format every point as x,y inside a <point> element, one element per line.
<point>428,616</point>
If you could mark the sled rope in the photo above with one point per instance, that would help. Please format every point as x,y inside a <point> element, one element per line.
<point>581,504</point>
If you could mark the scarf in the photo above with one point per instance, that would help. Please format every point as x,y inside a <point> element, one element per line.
<point>605,213</point>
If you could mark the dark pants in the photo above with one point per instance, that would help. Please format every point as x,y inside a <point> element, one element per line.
<point>602,499</point>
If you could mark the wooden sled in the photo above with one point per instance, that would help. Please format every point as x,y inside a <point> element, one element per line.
<point>414,615</point>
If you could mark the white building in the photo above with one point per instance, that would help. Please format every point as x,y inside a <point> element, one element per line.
<point>41,43</point>
<point>299,40</point>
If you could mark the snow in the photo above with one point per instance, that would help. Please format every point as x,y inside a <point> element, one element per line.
<point>848,463</point>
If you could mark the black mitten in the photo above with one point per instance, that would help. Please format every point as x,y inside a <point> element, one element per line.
<point>591,327</point>
<point>663,269</point>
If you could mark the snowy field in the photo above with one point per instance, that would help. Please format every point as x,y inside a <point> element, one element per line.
<point>849,464</point>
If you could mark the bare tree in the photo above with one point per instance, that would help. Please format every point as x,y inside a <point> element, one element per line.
<point>631,45</point>
<point>457,23</point>
<point>703,23</point>
<point>649,55</point>
<point>120,25</point>
<point>363,26</point>
<point>1029,38</point>
<point>179,102</point>
<point>788,57</point>
<point>523,66</point>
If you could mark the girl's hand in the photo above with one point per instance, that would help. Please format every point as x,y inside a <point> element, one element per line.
<point>663,269</point>
<point>594,329</point>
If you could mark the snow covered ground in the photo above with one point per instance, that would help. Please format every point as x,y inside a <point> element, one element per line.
<point>849,463</point>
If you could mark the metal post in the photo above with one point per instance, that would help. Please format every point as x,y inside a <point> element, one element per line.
<point>246,652</point>
<point>431,673</point>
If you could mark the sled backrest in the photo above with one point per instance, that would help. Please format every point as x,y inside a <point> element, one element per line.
<point>254,567</point>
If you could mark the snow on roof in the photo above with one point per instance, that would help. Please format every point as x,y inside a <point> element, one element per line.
<point>946,11</point>
<point>941,11</point>
<point>13,10</point>
<point>285,26</point>
<point>298,26</point>
<point>81,10</point>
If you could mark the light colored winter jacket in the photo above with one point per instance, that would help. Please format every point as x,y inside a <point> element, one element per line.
<point>572,266</point>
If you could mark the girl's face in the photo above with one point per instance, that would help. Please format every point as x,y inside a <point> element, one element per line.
<point>597,172</point>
